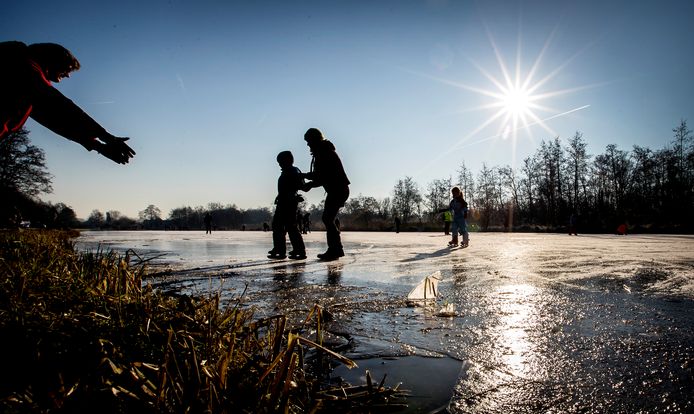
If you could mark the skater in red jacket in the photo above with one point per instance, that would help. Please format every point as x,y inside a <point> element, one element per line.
<point>26,74</point>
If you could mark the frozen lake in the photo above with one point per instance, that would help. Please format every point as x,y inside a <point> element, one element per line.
<point>545,322</point>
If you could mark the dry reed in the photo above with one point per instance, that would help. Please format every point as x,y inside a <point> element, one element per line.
<point>80,332</point>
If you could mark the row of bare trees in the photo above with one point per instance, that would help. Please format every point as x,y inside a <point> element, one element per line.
<point>651,190</point>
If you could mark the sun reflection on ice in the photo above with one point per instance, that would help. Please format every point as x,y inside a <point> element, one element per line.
<point>517,315</point>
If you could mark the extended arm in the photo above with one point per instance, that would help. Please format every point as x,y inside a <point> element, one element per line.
<point>56,112</point>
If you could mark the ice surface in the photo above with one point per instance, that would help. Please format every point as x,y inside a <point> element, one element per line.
<point>643,263</point>
<point>542,322</point>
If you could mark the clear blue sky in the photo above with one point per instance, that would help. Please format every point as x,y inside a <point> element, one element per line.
<point>211,91</point>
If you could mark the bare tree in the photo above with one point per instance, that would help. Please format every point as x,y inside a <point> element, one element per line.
<point>466,183</point>
<point>487,195</point>
<point>437,195</point>
<point>95,219</point>
<point>577,169</point>
<point>23,166</point>
<point>151,213</point>
<point>681,143</point>
<point>406,199</point>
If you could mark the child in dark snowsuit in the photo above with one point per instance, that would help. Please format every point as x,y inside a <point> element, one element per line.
<point>458,207</point>
<point>287,201</point>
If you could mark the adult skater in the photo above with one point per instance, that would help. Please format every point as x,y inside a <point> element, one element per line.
<point>327,171</point>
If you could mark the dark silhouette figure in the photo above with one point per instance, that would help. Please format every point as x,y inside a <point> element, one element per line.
<point>26,74</point>
<point>573,223</point>
<point>327,171</point>
<point>458,207</point>
<point>266,227</point>
<point>208,223</point>
<point>307,223</point>
<point>300,221</point>
<point>397,224</point>
<point>622,229</point>
<point>287,201</point>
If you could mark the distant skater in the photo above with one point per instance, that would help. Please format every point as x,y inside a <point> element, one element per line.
<point>573,220</point>
<point>327,171</point>
<point>397,224</point>
<point>287,201</point>
<point>458,207</point>
<point>447,219</point>
<point>307,223</point>
<point>208,223</point>
<point>26,74</point>
<point>622,229</point>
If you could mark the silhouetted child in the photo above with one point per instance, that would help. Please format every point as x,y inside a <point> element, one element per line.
<point>287,201</point>
<point>458,207</point>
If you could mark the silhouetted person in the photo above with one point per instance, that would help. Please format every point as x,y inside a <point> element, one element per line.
<point>447,219</point>
<point>287,201</point>
<point>458,208</point>
<point>573,221</point>
<point>266,226</point>
<point>307,223</point>
<point>208,223</point>
<point>327,171</point>
<point>622,229</point>
<point>397,224</point>
<point>26,73</point>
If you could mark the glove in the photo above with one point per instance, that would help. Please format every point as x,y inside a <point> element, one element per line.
<point>114,148</point>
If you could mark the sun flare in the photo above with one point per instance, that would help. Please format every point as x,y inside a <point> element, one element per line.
<point>519,98</point>
<point>516,102</point>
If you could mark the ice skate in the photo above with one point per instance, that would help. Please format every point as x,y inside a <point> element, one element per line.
<point>331,254</point>
<point>297,255</point>
<point>276,255</point>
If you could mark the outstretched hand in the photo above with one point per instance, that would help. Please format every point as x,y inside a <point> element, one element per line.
<point>115,149</point>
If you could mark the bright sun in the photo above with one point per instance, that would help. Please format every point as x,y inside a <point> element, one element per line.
<point>516,102</point>
<point>517,97</point>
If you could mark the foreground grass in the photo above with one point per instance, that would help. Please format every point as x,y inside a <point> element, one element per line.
<point>79,332</point>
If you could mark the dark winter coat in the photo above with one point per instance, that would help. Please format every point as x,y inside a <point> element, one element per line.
<point>327,169</point>
<point>288,184</point>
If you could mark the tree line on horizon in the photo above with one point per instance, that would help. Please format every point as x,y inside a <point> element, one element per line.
<point>650,190</point>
